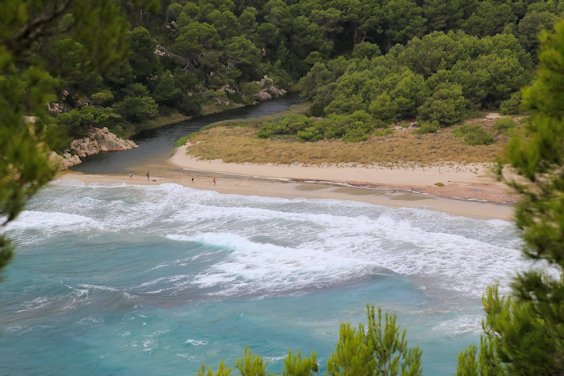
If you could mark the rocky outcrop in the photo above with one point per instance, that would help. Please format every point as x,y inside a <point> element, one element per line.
<point>63,161</point>
<point>268,90</point>
<point>262,96</point>
<point>98,140</point>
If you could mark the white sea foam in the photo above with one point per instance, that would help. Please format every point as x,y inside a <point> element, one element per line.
<point>195,342</point>
<point>37,303</point>
<point>461,325</point>
<point>51,223</point>
<point>274,245</point>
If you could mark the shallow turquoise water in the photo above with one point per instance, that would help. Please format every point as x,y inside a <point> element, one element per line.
<point>149,280</point>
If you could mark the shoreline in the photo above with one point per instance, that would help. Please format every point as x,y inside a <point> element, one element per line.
<point>466,195</point>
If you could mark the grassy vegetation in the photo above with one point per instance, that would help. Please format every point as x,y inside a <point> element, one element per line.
<point>166,120</point>
<point>391,146</point>
<point>214,108</point>
<point>181,141</point>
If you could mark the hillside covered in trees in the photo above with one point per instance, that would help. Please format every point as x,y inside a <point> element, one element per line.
<point>376,61</point>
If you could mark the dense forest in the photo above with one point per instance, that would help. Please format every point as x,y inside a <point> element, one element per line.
<point>370,62</point>
<point>362,64</point>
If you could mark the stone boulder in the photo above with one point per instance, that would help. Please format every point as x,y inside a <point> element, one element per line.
<point>268,90</point>
<point>99,140</point>
<point>262,96</point>
<point>275,92</point>
<point>64,161</point>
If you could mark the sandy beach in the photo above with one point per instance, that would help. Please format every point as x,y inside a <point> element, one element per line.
<point>469,190</point>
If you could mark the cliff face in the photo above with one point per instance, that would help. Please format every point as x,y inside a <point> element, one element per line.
<point>98,140</point>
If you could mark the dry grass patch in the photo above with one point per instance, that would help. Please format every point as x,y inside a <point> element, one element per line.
<point>236,142</point>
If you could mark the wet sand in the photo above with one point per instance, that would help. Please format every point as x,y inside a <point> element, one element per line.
<point>465,190</point>
<point>293,189</point>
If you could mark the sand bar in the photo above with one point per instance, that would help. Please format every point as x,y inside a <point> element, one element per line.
<point>468,190</point>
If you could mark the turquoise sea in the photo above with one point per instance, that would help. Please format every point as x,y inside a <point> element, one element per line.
<point>155,280</point>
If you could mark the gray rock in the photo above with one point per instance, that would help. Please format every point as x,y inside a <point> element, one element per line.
<point>262,96</point>
<point>63,162</point>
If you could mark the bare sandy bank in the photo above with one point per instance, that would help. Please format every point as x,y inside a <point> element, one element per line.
<point>276,181</point>
<point>466,182</point>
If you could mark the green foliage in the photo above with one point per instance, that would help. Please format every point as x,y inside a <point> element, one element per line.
<point>28,55</point>
<point>143,60</point>
<point>474,135</point>
<point>6,251</point>
<point>379,348</point>
<point>530,26</point>
<point>77,122</point>
<point>365,50</point>
<point>181,141</point>
<point>222,370</point>
<point>434,77</point>
<point>504,124</point>
<point>352,128</point>
<point>249,88</point>
<point>102,97</point>
<point>24,166</point>
<point>523,333</point>
<point>428,127</point>
<point>376,348</point>
<point>445,106</point>
<point>137,108</point>
<point>166,90</point>
<point>251,364</point>
<point>289,125</point>
<point>295,365</point>
<point>189,104</point>
<point>511,106</point>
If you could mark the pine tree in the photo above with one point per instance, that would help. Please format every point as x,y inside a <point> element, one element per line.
<point>524,333</point>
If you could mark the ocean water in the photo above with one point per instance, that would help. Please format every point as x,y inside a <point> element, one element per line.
<point>156,280</point>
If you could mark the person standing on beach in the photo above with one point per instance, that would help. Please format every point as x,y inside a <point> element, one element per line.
<point>148,175</point>
<point>214,182</point>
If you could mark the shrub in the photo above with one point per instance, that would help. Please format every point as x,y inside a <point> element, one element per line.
<point>355,135</point>
<point>504,124</point>
<point>354,127</point>
<point>445,106</point>
<point>474,135</point>
<point>512,105</point>
<point>312,133</point>
<point>78,121</point>
<point>137,109</point>
<point>365,50</point>
<point>102,97</point>
<point>189,105</point>
<point>249,88</point>
<point>289,125</point>
<point>428,127</point>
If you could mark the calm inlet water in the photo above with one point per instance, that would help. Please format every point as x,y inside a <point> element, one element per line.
<point>155,280</point>
<point>156,145</point>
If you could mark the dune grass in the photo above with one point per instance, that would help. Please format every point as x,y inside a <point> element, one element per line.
<point>236,142</point>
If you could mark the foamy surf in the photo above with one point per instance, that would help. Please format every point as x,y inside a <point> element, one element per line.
<point>184,275</point>
<point>280,245</point>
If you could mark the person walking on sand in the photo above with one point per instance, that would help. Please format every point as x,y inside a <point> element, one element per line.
<point>214,182</point>
<point>148,176</point>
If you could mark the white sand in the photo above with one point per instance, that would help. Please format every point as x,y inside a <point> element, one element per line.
<point>470,182</point>
<point>472,185</point>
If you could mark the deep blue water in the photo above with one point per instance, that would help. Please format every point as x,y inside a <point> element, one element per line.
<point>155,280</point>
